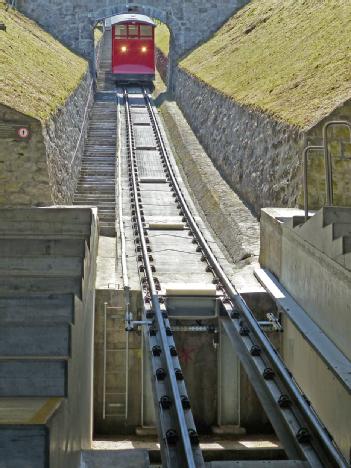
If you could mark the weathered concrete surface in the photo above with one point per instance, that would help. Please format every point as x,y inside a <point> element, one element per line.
<point>190,21</point>
<point>70,375</point>
<point>136,458</point>
<point>321,287</point>
<point>43,169</point>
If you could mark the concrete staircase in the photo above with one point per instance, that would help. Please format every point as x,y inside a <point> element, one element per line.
<point>329,230</point>
<point>47,272</point>
<point>96,185</point>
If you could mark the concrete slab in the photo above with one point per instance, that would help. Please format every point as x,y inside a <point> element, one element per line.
<point>114,458</point>
<point>106,275</point>
<point>258,464</point>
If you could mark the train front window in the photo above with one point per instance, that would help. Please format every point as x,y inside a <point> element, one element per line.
<point>121,30</point>
<point>145,31</point>
<point>133,30</point>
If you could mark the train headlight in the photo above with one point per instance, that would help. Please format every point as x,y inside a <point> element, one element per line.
<point>144,49</point>
<point>124,48</point>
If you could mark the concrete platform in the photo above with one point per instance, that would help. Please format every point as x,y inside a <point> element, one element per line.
<point>138,458</point>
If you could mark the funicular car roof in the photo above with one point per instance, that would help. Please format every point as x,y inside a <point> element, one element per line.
<point>131,18</point>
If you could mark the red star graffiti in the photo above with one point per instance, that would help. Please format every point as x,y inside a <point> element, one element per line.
<point>186,355</point>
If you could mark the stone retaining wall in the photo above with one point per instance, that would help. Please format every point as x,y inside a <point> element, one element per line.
<point>23,169</point>
<point>44,169</point>
<point>162,64</point>
<point>258,156</point>
<point>64,135</point>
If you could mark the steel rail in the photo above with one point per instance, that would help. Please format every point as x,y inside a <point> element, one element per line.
<point>331,451</point>
<point>186,443</point>
<point>128,316</point>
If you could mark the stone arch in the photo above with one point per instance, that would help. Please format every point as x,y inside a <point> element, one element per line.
<point>71,22</point>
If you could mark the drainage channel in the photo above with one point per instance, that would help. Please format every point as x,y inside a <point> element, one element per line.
<point>296,424</point>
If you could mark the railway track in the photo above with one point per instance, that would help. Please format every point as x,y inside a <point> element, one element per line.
<point>296,424</point>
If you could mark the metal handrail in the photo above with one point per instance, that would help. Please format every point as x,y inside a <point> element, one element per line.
<point>327,158</point>
<point>305,174</point>
<point>329,195</point>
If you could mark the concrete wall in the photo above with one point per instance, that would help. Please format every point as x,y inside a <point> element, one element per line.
<point>44,168</point>
<point>190,21</point>
<point>258,156</point>
<point>73,426</point>
<point>322,288</point>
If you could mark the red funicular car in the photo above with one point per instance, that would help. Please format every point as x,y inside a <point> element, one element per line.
<point>133,48</point>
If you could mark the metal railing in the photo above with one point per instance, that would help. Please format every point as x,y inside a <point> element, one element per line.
<point>328,167</point>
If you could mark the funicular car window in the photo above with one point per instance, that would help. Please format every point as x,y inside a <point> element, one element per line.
<point>145,31</point>
<point>121,30</point>
<point>133,30</point>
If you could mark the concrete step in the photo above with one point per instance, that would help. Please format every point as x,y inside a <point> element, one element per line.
<point>35,340</point>
<point>88,199</point>
<point>136,458</point>
<point>33,377</point>
<point>96,181</point>
<point>109,217</point>
<point>45,215</point>
<point>336,214</point>
<point>97,178</point>
<point>50,309</point>
<point>341,229</point>
<point>48,266</point>
<point>26,429</point>
<point>99,189</point>
<point>39,247</point>
<point>344,260</point>
<point>107,229</point>
<point>21,286</point>
<point>44,229</point>
<point>328,231</point>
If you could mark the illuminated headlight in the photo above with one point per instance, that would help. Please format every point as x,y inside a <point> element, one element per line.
<point>124,48</point>
<point>144,49</point>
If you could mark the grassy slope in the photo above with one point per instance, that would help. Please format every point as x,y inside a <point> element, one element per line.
<point>290,58</point>
<point>162,38</point>
<point>37,73</point>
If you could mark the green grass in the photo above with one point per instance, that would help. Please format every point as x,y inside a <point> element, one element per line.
<point>291,58</point>
<point>37,73</point>
<point>162,38</point>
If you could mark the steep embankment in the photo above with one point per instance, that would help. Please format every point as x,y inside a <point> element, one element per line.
<point>37,73</point>
<point>289,59</point>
